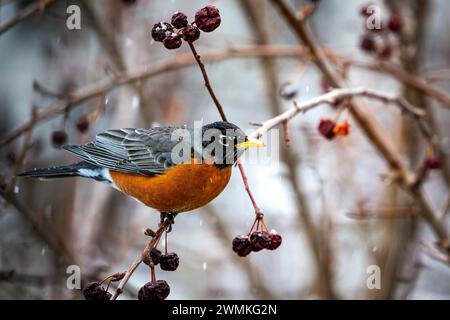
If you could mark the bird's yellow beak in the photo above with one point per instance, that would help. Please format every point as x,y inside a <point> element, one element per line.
<point>250,143</point>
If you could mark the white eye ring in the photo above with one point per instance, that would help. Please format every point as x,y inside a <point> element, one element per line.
<point>222,140</point>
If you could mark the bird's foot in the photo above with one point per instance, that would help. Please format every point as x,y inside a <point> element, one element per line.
<point>170,216</point>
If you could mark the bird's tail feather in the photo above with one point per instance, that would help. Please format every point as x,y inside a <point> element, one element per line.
<point>72,170</point>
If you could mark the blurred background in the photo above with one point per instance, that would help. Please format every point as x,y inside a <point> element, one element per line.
<point>110,74</point>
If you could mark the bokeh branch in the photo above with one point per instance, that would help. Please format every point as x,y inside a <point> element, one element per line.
<point>34,6</point>
<point>369,126</point>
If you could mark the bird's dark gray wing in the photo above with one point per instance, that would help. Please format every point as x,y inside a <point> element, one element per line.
<point>136,151</point>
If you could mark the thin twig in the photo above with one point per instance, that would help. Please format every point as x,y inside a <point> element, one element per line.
<point>224,118</point>
<point>247,188</point>
<point>151,244</point>
<point>433,253</point>
<point>27,11</point>
<point>143,72</point>
<point>368,124</point>
<point>329,98</point>
<point>207,83</point>
<point>406,77</point>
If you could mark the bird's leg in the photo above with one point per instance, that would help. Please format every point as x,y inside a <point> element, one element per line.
<point>170,216</point>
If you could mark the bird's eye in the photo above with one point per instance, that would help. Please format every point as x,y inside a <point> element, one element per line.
<point>223,140</point>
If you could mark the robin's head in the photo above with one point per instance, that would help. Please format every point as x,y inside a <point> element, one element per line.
<point>225,142</point>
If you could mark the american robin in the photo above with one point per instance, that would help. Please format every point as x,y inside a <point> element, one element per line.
<point>163,167</point>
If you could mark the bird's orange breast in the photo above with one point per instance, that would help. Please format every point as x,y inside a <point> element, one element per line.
<point>182,188</point>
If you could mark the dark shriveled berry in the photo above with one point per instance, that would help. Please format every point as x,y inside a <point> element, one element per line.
<point>260,240</point>
<point>154,291</point>
<point>385,52</point>
<point>161,30</point>
<point>59,138</point>
<point>275,240</point>
<point>153,257</point>
<point>191,33</point>
<point>433,163</point>
<point>169,262</point>
<point>242,245</point>
<point>326,127</point>
<point>172,42</point>
<point>367,43</point>
<point>83,124</point>
<point>179,20</point>
<point>94,291</point>
<point>208,18</point>
<point>395,23</point>
<point>155,254</point>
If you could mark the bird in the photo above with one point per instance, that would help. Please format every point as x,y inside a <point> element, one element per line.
<point>171,169</point>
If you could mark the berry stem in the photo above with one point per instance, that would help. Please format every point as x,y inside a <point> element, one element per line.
<point>153,274</point>
<point>264,225</point>
<point>247,188</point>
<point>151,244</point>
<point>207,83</point>
<point>165,243</point>
<point>224,118</point>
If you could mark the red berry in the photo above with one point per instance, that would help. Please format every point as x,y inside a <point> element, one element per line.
<point>395,23</point>
<point>260,240</point>
<point>208,18</point>
<point>158,290</point>
<point>94,291</point>
<point>433,163</point>
<point>242,245</point>
<point>367,43</point>
<point>59,138</point>
<point>275,240</point>
<point>326,127</point>
<point>179,20</point>
<point>169,262</point>
<point>172,42</point>
<point>83,124</point>
<point>191,33</point>
<point>385,52</point>
<point>161,30</point>
<point>154,257</point>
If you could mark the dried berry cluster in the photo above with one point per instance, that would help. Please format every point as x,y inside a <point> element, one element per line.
<point>257,239</point>
<point>167,261</point>
<point>207,19</point>
<point>152,290</point>
<point>158,289</point>
<point>381,41</point>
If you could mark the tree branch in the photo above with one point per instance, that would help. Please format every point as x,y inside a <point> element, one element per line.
<point>27,11</point>
<point>143,72</point>
<point>330,98</point>
<point>207,83</point>
<point>151,244</point>
<point>369,126</point>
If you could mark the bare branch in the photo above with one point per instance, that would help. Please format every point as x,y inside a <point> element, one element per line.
<point>27,11</point>
<point>330,98</point>
<point>144,72</point>
<point>162,227</point>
